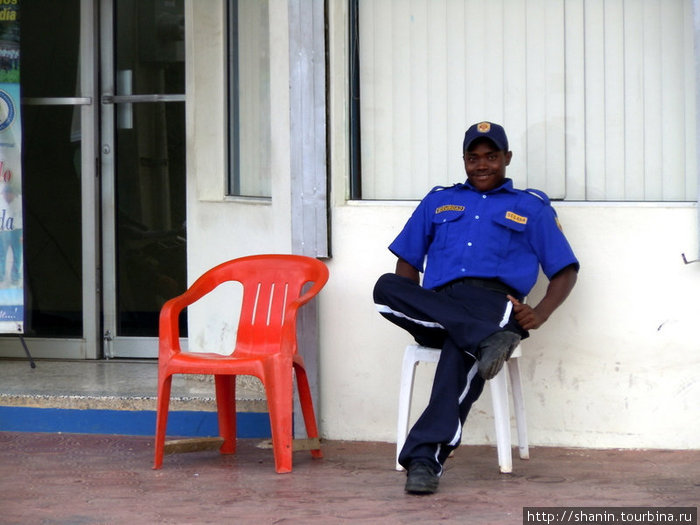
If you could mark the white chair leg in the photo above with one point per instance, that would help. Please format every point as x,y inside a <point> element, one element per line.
<point>499,397</point>
<point>518,407</point>
<point>408,371</point>
<point>501,415</point>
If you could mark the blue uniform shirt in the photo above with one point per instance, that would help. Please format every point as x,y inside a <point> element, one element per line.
<point>504,234</point>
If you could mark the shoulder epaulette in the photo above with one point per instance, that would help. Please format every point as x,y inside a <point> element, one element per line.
<point>440,188</point>
<point>539,194</point>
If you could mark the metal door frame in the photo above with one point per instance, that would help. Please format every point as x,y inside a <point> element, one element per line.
<point>114,345</point>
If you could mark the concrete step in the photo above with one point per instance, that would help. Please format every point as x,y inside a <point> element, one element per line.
<point>117,397</point>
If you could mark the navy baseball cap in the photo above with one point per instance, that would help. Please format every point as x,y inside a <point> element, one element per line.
<point>488,130</point>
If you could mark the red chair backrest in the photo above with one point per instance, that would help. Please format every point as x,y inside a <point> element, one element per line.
<point>273,290</point>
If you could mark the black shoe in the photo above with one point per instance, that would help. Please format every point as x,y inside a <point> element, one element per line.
<point>494,351</point>
<point>421,479</point>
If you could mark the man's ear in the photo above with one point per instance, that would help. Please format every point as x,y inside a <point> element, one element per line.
<point>509,155</point>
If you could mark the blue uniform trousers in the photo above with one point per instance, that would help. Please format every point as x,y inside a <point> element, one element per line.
<point>455,318</point>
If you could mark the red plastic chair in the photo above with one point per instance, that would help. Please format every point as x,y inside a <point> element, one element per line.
<point>266,347</point>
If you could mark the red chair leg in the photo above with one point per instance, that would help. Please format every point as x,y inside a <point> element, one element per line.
<point>226,408</point>
<point>307,407</point>
<point>279,389</point>
<point>163,403</point>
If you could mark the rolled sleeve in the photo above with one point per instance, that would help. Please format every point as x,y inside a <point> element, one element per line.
<point>550,244</point>
<point>412,243</point>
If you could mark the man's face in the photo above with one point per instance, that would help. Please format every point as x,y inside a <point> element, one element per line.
<point>486,165</point>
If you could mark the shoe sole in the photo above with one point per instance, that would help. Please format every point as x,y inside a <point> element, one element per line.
<point>421,489</point>
<point>489,368</point>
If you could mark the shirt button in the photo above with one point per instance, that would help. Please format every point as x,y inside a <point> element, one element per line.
<point>463,270</point>
<point>483,196</point>
<point>476,217</point>
<point>469,244</point>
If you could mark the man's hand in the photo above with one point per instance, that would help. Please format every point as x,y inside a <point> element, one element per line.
<point>526,315</point>
<point>558,290</point>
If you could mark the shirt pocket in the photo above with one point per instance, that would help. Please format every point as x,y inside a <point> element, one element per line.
<point>446,227</point>
<point>512,221</point>
<point>510,228</point>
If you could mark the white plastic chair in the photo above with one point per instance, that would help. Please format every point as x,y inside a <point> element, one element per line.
<point>499,395</point>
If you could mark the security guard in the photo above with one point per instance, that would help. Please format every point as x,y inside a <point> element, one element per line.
<point>480,246</point>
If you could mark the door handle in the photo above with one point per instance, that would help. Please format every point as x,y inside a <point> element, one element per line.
<point>121,99</point>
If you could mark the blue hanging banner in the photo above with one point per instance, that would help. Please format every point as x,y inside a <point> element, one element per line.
<point>11,245</point>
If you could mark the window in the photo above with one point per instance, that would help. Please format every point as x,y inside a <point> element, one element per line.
<point>249,99</point>
<point>598,98</point>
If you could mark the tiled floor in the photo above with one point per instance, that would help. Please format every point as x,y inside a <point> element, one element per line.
<point>91,479</point>
<point>51,478</point>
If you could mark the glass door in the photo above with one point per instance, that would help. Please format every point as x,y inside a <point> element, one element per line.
<point>143,169</point>
<point>103,170</point>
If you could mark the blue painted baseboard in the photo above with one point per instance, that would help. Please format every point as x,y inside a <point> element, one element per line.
<point>126,422</point>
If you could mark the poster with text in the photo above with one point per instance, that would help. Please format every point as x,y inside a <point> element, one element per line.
<point>11,239</point>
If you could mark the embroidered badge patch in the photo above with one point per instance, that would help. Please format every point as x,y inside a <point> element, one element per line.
<point>449,207</point>
<point>516,218</point>
<point>484,127</point>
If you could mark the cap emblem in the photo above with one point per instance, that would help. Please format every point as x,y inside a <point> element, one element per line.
<point>484,127</point>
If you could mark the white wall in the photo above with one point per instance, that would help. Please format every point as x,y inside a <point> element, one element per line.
<point>616,366</point>
<point>220,228</point>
